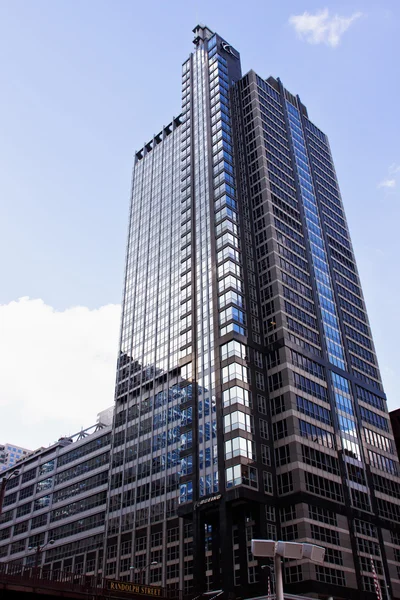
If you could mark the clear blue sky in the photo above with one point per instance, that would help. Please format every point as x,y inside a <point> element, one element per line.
<point>84,84</point>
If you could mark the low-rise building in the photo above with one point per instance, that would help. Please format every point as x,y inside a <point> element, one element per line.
<point>54,509</point>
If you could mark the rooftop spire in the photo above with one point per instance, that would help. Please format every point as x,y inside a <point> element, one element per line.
<point>201,33</point>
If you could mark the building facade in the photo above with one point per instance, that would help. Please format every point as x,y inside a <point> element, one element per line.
<point>395,421</point>
<point>248,401</point>
<point>10,454</point>
<point>57,502</point>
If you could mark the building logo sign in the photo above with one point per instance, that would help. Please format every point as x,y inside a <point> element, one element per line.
<point>133,588</point>
<point>229,49</point>
<point>207,501</point>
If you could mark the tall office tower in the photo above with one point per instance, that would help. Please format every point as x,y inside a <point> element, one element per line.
<point>248,401</point>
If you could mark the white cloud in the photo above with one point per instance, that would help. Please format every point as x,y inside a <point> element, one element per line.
<point>394,168</point>
<point>321,28</point>
<point>57,369</point>
<point>387,183</point>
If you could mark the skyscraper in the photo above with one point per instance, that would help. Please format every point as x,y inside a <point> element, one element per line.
<point>248,398</point>
<point>10,454</point>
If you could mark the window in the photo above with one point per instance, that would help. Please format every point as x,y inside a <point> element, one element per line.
<point>311,409</point>
<point>173,534</point>
<point>186,492</point>
<point>347,425</point>
<point>81,451</point>
<point>368,546</point>
<point>28,476</point>
<point>264,432</point>
<point>310,387</point>
<point>374,419</point>
<point>76,507</point>
<point>317,513</point>
<point>323,534</point>
<point>382,462</point>
<point>173,571</point>
<point>293,574</point>
<point>258,357</point>
<point>290,533</point>
<point>323,487</point>
<point>320,460</point>
<point>81,486</point>
<point>262,404</point>
<point>22,510</point>
<point>238,420</point>
<point>235,395</point>
<point>270,513</point>
<point>265,455</point>
<point>38,521</point>
<point>241,475</point>
<point>82,468</point>
<point>277,405</point>
<point>282,455</point>
<point>371,399</point>
<point>332,576</point>
<point>307,365</point>
<point>388,510</point>
<point>386,486</point>
<point>275,381</point>
<point>10,499</point>
<point>6,533</point>
<point>231,297</point>
<point>260,381</point>
<point>240,447</point>
<point>365,528</point>
<point>235,371</point>
<point>233,348</point>
<point>279,429</point>
<point>172,552</point>
<point>316,434</point>
<point>378,440</point>
<point>47,467</point>
<point>231,313</point>
<point>126,547</point>
<point>288,513</point>
<point>267,481</point>
<point>45,484</point>
<point>284,483</point>
<point>78,526</point>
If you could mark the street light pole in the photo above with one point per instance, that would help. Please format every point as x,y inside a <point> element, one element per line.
<point>278,577</point>
<point>291,550</point>
<point>143,570</point>
<point>38,551</point>
<point>3,486</point>
<point>37,556</point>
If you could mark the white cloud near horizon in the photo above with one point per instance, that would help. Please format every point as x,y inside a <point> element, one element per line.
<point>57,369</point>
<point>321,27</point>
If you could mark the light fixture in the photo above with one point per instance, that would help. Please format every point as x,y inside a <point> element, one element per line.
<point>291,550</point>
